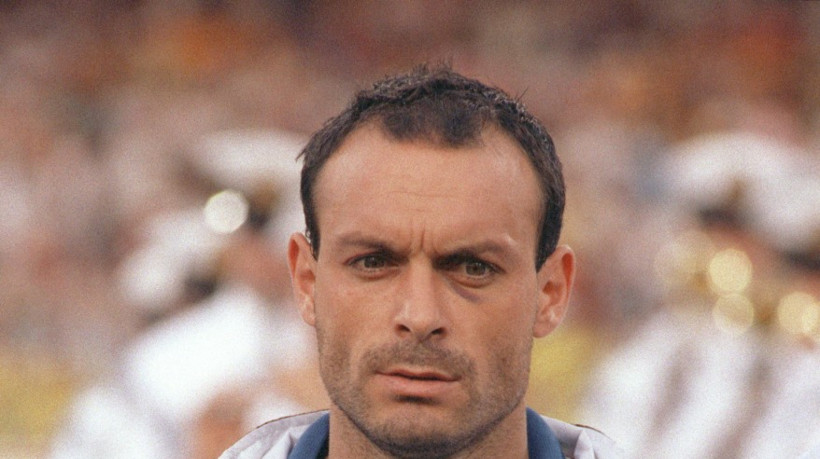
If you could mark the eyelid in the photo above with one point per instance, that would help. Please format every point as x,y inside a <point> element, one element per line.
<point>383,255</point>
<point>457,259</point>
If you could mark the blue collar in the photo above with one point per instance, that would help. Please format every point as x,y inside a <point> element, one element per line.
<point>541,441</point>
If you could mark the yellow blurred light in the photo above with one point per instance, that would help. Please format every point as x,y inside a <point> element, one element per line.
<point>226,211</point>
<point>799,313</point>
<point>680,260</point>
<point>733,314</point>
<point>730,271</point>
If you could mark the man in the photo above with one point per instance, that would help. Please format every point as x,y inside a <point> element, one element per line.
<point>433,206</point>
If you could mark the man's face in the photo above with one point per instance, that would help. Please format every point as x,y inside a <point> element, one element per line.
<point>424,295</point>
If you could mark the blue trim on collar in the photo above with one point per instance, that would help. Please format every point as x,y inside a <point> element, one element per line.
<point>541,441</point>
<point>313,443</point>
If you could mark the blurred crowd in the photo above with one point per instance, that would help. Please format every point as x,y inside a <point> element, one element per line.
<point>148,184</point>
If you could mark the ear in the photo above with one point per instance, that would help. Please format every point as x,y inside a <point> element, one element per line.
<point>302,275</point>
<point>555,279</point>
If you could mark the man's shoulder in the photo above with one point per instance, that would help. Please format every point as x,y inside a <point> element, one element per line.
<point>582,442</point>
<point>273,439</point>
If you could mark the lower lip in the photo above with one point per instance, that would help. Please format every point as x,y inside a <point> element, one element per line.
<point>401,386</point>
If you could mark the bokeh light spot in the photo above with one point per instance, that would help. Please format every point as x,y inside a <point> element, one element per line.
<point>733,314</point>
<point>226,211</point>
<point>730,271</point>
<point>798,313</point>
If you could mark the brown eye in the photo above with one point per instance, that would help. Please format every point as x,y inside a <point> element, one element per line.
<point>476,268</point>
<point>372,262</point>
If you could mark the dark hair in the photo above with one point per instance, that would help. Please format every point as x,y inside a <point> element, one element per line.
<point>445,108</point>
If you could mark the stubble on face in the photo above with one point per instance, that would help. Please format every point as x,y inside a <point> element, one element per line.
<point>408,436</point>
<point>454,202</point>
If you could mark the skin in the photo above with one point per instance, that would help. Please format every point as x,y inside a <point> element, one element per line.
<point>425,297</point>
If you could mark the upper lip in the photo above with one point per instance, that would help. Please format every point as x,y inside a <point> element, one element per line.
<point>414,373</point>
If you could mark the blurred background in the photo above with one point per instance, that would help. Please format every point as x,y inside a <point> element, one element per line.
<point>148,185</point>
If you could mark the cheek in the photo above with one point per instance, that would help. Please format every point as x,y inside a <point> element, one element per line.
<point>511,316</point>
<point>507,343</point>
<point>505,334</point>
<point>345,317</point>
<point>341,304</point>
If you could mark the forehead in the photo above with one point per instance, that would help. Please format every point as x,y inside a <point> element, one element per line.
<point>370,143</point>
<point>370,174</point>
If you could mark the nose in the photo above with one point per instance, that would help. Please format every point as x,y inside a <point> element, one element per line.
<point>421,312</point>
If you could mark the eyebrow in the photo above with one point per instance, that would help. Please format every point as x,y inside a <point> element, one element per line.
<point>360,241</point>
<point>482,247</point>
<point>494,247</point>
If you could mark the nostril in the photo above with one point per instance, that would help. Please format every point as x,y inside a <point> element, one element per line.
<point>420,333</point>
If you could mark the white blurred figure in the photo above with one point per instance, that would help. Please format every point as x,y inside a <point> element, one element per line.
<point>104,421</point>
<point>212,365</point>
<point>112,419</point>
<point>703,373</point>
<point>791,223</point>
<point>813,453</point>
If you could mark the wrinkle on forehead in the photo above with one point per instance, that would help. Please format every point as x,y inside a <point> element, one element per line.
<point>421,194</point>
<point>415,187</point>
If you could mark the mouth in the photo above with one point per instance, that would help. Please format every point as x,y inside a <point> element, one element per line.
<point>417,385</point>
<point>420,375</point>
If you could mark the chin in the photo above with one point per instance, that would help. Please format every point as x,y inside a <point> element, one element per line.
<point>422,430</point>
<point>417,437</point>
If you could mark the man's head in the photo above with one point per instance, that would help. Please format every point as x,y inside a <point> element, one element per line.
<point>444,108</point>
<point>425,295</point>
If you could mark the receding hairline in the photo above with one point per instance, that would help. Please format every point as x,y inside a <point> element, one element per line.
<point>444,108</point>
<point>374,124</point>
<point>489,128</point>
